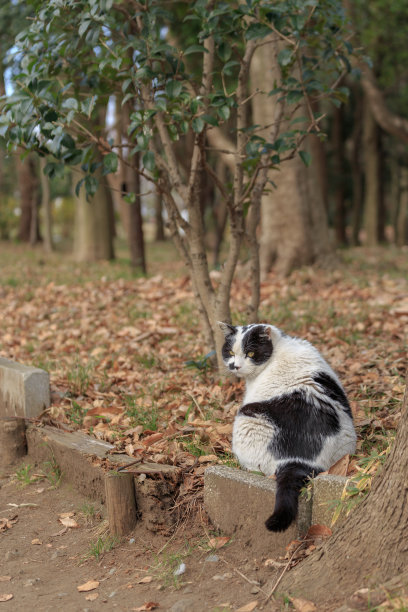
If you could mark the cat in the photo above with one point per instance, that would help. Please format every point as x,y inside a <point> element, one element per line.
<point>295,420</point>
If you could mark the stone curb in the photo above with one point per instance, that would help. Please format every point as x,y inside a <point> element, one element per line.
<point>24,390</point>
<point>239,502</point>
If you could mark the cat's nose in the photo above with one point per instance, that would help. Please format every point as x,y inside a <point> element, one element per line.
<point>232,366</point>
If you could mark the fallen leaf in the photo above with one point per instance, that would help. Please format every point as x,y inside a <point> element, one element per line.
<point>92,596</point>
<point>316,531</point>
<point>152,439</point>
<point>69,522</point>
<point>6,523</point>
<point>5,578</point>
<point>302,605</point>
<point>149,605</point>
<point>341,466</point>
<point>207,458</point>
<point>36,542</point>
<point>145,580</point>
<point>218,542</point>
<point>64,515</point>
<point>248,607</point>
<point>88,586</point>
<point>6,596</point>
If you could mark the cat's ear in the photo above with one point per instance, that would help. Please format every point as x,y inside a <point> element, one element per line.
<point>226,328</point>
<point>267,332</point>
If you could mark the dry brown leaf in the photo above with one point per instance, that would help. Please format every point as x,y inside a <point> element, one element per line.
<point>340,467</point>
<point>92,596</point>
<point>318,531</point>
<point>249,607</point>
<point>6,596</point>
<point>36,542</point>
<point>149,605</point>
<point>145,580</point>
<point>152,439</point>
<point>218,542</point>
<point>88,586</point>
<point>207,458</point>
<point>5,578</point>
<point>66,515</point>
<point>302,605</point>
<point>69,522</point>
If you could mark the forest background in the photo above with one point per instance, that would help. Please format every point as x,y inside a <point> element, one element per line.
<point>128,128</point>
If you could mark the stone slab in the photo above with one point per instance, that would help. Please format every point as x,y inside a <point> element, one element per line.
<point>75,454</point>
<point>327,489</point>
<point>24,390</point>
<point>239,502</point>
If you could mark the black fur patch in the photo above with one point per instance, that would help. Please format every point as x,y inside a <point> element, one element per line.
<point>333,390</point>
<point>258,341</point>
<point>302,425</point>
<point>227,346</point>
<point>290,478</point>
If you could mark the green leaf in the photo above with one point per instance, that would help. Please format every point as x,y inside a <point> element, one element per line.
<point>224,51</point>
<point>70,104</point>
<point>148,161</point>
<point>198,125</point>
<point>224,112</point>
<point>68,141</point>
<point>210,119</point>
<point>173,88</point>
<point>195,49</point>
<point>285,57</point>
<point>110,163</point>
<point>305,157</point>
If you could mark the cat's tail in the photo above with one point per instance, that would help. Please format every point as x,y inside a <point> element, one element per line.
<point>290,478</point>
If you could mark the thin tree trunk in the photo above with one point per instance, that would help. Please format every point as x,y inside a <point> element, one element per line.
<point>158,217</point>
<point>402,218</point>
<point>136,235</point>
<point>338,163</point>
<point>371,545</point>
<point>28,186</point>
<point>46,207</point>
<point>356,168</point>
<point>372,178</point>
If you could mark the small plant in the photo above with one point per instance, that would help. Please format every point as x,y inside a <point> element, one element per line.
<point>101,546</point>
<point>168,568</point>
<point>25,477</point>
<point>195,446</point>
<point>202,364</point>
<point>89,513</point>
<point>145,416</point>
<point>80,377</point>
<point>357,487</point>
<point>52,472</point>
<point>76,413</point>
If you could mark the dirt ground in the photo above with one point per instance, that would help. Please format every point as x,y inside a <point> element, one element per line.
<point>44,562</point>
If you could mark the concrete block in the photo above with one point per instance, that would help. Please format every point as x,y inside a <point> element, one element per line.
<point>24,391</point>
<point>326,489</point>
<point>239,502</point>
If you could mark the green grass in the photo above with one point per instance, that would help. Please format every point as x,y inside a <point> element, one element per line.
<point>80,377</point>
<point>146,416</point>
<point>99,547</point>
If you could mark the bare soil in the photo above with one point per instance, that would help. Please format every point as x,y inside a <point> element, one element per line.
<point>43,563</point>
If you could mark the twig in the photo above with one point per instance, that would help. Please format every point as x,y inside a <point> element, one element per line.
<point>124,467</point>
<point>283,573</point>
<point>253,582</point>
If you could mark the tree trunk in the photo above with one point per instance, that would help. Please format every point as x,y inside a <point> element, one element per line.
<point>371,545</point>
<point>159,235</point>
<point>93,231</point>
<point>372,194</point>
<point>401,234</point>
<point>136,236</point>
<point>28,186</point>
<point>46,207</point>
<point>294,211</point>
<point>338,167</point>
<point>356,169</point>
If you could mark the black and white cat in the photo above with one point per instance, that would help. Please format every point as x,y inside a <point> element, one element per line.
<point>295,420</point>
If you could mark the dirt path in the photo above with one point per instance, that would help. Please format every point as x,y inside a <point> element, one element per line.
<point>43,562</point>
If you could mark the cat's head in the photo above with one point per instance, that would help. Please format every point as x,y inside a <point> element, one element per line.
<point>246,348</point>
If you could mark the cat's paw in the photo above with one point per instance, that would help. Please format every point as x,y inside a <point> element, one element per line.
<point>279,521</point>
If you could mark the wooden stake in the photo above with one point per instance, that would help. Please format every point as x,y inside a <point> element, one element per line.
<point>120,502</point>
<point>13,443</point>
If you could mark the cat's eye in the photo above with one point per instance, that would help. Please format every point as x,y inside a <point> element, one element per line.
<point>250,354</point>
<point>231,353</point>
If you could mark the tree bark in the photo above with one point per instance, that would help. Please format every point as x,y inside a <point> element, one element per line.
<point>46,207</point>
<point>293,219</point>
<point>93,231</point>
<point>136,235</point>
<point>159,235</point>
<point>120,502</point>
<point>356,168</point>
<point>371,545</point>
<point>372,178</point>
<point>338,167</point>
<point>401,234</point>
<point>28,185</point>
